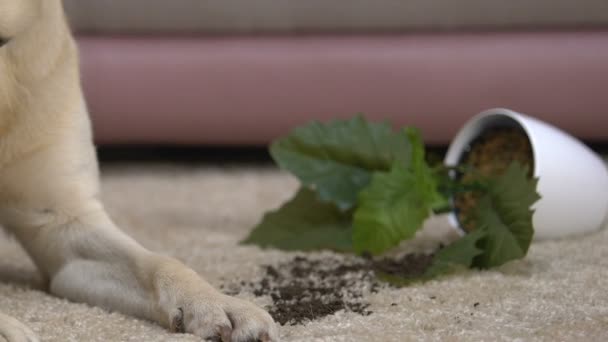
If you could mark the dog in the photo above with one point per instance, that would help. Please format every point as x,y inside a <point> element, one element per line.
<point>49,195</point>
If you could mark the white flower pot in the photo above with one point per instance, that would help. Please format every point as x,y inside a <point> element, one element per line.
<point>573,180</point>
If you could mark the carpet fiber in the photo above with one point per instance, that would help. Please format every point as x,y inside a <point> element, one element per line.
<point>199,213</point>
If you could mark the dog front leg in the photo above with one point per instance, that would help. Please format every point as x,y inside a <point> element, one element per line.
<point>88,259</point>
<point>49,201</point>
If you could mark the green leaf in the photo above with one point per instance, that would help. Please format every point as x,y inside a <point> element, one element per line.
<point>337,159</point>
<point>504,213</point>
<point>391,209</point>
<point>459,254</point>
<point>396,203</point>
<point>429,178</point>
<point>304,223</point>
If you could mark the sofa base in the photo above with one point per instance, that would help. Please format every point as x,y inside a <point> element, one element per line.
<point>249,90</point>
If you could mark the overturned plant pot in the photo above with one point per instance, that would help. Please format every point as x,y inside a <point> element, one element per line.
<point>572,178</point>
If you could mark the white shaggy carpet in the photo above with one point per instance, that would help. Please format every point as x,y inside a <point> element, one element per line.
<point>198,214</point>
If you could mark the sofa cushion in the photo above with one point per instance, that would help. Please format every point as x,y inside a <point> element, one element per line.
<point>287,16</point>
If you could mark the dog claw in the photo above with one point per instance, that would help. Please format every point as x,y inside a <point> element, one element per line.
<point>264,337</point>
<point>225,333</point>
<point>177,324</point>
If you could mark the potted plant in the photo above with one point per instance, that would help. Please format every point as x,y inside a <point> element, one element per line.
<point>365,188</point>
<point>573,180</point>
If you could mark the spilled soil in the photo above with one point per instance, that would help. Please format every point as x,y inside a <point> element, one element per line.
<point>305,289</point>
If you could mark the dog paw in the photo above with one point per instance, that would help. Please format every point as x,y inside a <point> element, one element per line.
<point>249,322</point>
<point>224,319</point>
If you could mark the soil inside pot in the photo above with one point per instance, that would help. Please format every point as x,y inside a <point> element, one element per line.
<point>304,289</point>
<point>490,155</point>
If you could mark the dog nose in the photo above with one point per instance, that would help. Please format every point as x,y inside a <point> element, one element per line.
<point>3,41</point>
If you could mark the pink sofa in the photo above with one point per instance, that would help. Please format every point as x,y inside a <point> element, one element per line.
<point>180,75</point>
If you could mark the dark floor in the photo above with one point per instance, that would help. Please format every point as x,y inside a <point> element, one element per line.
<point>184,154</point>
<point>229,155</point>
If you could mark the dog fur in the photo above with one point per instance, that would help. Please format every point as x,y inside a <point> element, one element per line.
<point>49,195</point>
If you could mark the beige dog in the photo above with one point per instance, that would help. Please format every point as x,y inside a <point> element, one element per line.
<point>49,195</point>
